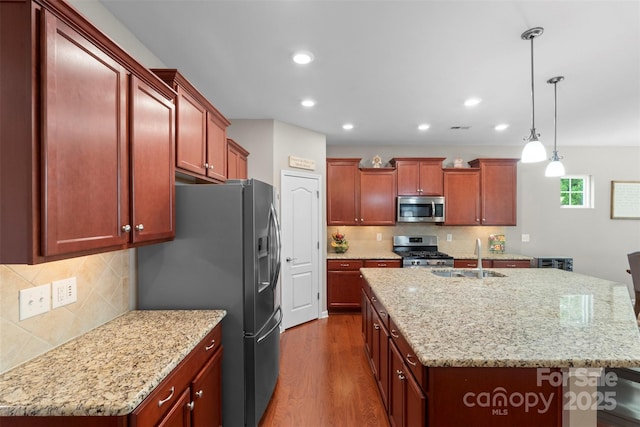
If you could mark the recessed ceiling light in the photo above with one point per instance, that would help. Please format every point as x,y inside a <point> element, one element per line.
<point>302,58</point>
<point>472,102</point>
<point>423,126</point>
<point>308,103</point>
<point>347,126</point>
<point>501,126</point>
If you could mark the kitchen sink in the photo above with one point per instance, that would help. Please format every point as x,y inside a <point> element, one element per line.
<point>466,273</point>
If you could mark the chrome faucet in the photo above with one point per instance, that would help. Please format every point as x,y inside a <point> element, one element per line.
<point>479,250</point>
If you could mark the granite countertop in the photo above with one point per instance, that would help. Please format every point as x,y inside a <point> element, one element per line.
<point>109,370</point>
<point>364,253</point>
<point>530,318</point>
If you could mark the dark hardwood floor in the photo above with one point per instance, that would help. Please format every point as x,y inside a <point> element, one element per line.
<point>325,378</point>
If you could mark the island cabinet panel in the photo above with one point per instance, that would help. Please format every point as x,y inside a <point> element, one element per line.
<point>407,401</point>
<point>377,196</point>
<point>201,131</point>
<point>462,196</point>
<point>500,397</point>
<point>343,192</point>
<point>80,124</point>
<point>237,160</point>
<point>419,176</point>
<point>498,190</point>
<point>344,284</point>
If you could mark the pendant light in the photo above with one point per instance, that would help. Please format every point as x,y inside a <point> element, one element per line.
<point>555,167</point>
<point>533,151</point>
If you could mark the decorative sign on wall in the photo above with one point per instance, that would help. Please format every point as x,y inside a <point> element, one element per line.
<point>299,162</point>
<point>625,199</point>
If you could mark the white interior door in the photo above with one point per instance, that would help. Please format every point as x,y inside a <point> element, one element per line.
<point>300,226</point>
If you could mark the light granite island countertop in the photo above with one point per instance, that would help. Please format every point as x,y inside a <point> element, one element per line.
<point>530,318</point>
<point>109,370</point>
<point>526,349</point>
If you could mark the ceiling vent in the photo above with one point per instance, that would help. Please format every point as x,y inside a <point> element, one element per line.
<point>460,127</point>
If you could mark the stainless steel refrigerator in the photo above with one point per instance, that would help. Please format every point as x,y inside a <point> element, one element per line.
<point>226,255</point>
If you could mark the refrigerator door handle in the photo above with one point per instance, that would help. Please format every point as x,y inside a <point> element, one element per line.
<point>266,334</point>
<point>274,228</point>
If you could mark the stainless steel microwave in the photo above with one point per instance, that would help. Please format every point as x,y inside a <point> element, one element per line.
<point>420,209</point>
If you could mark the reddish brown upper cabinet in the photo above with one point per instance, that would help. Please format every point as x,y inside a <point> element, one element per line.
<point>498,187</point>
<point>201,135</point>
<point>237,159</point>
<point>360,196</point>
<point>485,194</point>
<point>419,176</point>
<point>377,196</point>
<point>462,196</point>
<point>85,133</point>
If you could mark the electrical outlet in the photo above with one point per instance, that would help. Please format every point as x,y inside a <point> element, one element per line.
<point>379,237</point>
<point>64,292</point>
<point>449,237</point>
<point>34,301</point>
<point>525,237</point>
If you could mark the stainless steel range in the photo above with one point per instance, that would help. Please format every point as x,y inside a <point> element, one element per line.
<point>420,251</point>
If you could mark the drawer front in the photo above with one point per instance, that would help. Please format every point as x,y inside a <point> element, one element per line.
<point>345,264</point>
<point>510,263</point>
<point>470,263</point>
<point>382,263</point>
<point>211,343</point>
<point>410,359</point>
<point>382,312</point>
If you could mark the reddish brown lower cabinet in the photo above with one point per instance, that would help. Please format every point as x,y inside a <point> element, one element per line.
<point>407,401</point>
<point>495,263</point>
<point>344,283</point>
<point>190,396</point>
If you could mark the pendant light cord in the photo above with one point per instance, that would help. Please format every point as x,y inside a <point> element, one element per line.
<point>555,119</point>
<point>533,103</point>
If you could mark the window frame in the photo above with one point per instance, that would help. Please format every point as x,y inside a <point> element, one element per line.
<point>587,191</point>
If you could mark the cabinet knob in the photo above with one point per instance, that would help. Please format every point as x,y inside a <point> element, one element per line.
<point>199,393</point>
<point>361,219</point>
<point>355,219</point>
<point>206,165</point>
<point>126,228</point>
<point>139,227</point>
<point>191,405</point>
<point>210,166</point>
<point>400,374</point>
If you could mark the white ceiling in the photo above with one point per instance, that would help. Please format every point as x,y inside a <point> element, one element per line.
<point>387,66</point>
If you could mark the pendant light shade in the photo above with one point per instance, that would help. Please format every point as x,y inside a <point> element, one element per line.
<point>555,167</point>
<point>533,151</point>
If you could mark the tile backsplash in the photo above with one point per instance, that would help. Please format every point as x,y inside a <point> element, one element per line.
<point>103,294</point>
<point>462,242</point>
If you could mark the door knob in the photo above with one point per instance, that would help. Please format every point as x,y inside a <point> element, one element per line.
<point>288,259</point>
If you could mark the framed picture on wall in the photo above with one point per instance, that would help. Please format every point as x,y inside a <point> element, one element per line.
<point>625,199</point>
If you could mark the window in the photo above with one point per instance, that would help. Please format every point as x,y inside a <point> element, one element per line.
<point>575,191</point>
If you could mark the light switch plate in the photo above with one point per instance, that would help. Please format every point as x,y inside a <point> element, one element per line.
<point>379,237</point>
<point>525,237</point>
<point>34,301</point>
<point>449,237</point>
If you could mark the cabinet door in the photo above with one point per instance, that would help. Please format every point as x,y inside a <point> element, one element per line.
<point>206,395</point>
<point>179,415</point>
<point>243,172</point>
<point>408,177</point>
<point>499,190</point>
<point>192,133</point>
<point>462,197</point>
<point>232,164</point>
<point>431,178</point>
<point>343,290</point>
<point>397,376</point>
<point>152,160</point>
<point>415,404</point>
<point>84,151</point>
<point>377,197</point>
<point>343,191</point>
<point>216,149</point>
<point>471,263</point>
<point>380,353</point>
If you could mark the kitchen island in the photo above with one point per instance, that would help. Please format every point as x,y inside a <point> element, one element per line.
<point>522,333</point>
